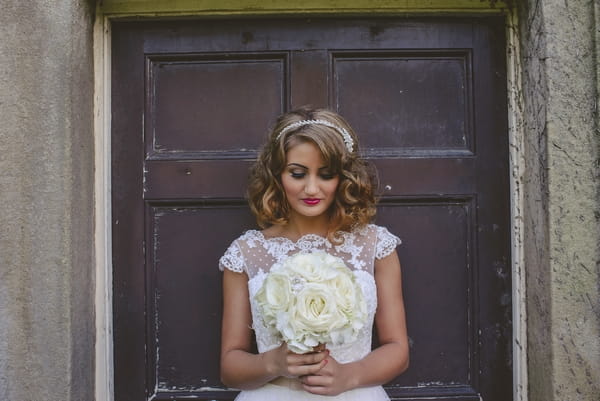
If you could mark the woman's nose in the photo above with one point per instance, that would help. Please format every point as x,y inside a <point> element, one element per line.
<point>311,186</point>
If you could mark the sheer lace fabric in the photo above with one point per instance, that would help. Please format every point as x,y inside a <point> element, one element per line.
<point>254,254</point>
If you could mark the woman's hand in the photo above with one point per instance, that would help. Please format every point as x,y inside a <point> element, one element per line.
<point>385,362</point>
<point>283,362</point>
<point>334,378</point>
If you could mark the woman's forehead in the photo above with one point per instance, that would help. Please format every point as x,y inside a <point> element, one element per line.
<point>305,153</point>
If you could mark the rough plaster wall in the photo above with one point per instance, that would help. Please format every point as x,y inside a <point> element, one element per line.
<point>562,213</point>
<point>46,193</point>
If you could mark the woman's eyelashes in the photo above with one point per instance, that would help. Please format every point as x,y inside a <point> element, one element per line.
<point>299,174</point>
<point>327,175</point>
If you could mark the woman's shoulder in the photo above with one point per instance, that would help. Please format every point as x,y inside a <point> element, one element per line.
<point>233,258</point>
<point>380,237</point>
<point>248,236</point>
<point>371,229</point>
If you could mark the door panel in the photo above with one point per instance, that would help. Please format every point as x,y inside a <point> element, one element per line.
<point>181,298</point>
<point>192,104</point>
<point>192,111</point>
<point>406,100</point>
<point>436,234</point>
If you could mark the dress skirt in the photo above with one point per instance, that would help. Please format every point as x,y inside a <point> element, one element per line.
<point>290,391</point>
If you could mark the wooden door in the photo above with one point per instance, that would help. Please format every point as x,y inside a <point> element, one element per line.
<point>191,104</point>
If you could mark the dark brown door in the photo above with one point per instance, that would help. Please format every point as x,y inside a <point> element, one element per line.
<point>192,101</point>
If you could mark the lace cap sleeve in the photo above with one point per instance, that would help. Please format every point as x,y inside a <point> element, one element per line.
<point>386,243</point>
<point>232,259</point>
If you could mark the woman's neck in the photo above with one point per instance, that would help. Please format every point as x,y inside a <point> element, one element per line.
<point>298,226</point>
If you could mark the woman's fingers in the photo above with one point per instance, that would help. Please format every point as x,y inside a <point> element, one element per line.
<point>290,364</point>
<point>308,364</point>
<point>318,390</point>
<point>306,359</point>
<point>330,380</point>
<point>318,384</point>
<point>317,380</point>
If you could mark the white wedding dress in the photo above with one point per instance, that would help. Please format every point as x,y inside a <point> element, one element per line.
<point>254,255</point>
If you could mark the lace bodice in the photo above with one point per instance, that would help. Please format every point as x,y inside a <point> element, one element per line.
<point>254,254</point>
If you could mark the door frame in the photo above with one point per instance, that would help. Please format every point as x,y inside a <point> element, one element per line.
<point>109,10</point>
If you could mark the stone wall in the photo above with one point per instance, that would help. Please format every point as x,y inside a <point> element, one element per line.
<point>562,198</point>
<point>46,193</point>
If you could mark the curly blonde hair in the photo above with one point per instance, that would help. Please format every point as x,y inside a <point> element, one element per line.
<point>354,204</point>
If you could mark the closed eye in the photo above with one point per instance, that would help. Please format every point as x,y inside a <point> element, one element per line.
<point>327,176</point>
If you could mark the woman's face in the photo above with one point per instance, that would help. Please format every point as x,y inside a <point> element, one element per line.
<point>309,184</point>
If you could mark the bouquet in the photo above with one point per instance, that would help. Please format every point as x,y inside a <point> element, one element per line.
<point>311,299</point>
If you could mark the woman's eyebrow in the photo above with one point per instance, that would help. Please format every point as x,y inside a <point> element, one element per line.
<point>297,165</point>
<point>304,167</point>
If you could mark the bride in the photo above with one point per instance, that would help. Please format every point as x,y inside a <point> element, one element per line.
<point>310,191</point>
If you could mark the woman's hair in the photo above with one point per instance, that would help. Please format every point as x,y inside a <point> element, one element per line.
<point>354,203</point>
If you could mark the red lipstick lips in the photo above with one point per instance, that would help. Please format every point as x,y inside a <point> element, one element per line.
<point>311,201</point>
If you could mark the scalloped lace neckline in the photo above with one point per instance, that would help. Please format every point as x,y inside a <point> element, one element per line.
<point>306,237</point>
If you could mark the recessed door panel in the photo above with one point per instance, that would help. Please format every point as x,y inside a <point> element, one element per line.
<point>183,292</point>
<point>208,104</point>
<point>410,101</point>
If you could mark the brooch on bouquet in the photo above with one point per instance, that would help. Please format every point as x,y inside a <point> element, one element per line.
<point>311,299</point>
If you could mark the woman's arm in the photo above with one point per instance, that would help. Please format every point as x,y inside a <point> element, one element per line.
<point>240,368</point>
<point>390,358</point>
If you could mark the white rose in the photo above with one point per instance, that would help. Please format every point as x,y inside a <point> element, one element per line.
<point>351,305</point>
<point>311,267</point>
<point>345,289</point>
<point>274,296</point>
<point>349,295</point>
<point>316,309</point>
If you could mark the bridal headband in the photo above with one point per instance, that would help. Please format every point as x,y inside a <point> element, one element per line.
<point>348,141</point>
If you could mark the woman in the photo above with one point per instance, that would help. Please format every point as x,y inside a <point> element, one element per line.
<point>310,191</point>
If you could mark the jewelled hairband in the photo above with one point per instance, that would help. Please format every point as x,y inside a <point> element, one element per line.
<point>348,141</point>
